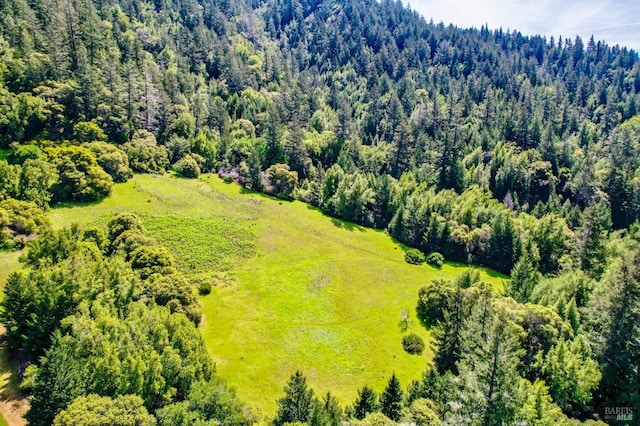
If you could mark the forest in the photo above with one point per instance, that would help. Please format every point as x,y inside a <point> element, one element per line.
<point>478,146</point>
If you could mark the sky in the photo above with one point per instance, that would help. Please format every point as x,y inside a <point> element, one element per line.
<point>615,22</point>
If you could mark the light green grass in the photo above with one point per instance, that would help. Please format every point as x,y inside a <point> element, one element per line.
<point>8,263</point>
<point>305,291</point>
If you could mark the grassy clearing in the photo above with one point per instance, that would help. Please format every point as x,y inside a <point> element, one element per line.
<point>300,290</point>
<point>8,263</point>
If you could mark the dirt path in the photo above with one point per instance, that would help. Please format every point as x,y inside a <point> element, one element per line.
<point>13,405</point>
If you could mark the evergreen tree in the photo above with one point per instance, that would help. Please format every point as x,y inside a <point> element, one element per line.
<point>595,223</point>
<point>391,400</point>
<point>365,403</point>
<point>297,403</point>
<point>614,324</point>
<point>488,379</point>
<point>524,275</point>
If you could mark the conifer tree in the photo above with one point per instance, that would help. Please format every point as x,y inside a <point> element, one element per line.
<point>297,403</point>
<point>365,403</point>
<point>391,399</point>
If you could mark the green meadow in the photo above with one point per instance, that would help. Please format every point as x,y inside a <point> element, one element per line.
<point>293,289</point>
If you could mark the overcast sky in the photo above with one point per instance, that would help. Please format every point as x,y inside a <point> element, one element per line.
<point>616,22</point>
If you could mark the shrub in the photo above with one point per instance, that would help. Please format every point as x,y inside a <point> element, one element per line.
<point>281,181</point>
<point>413,344</point>
<point>124,222</point>
<point>435,259</point>
<point>114,161</point>
<point>187,167</point>
<point>145,155</point>
<point>414,256</point>
<point>205,288</point>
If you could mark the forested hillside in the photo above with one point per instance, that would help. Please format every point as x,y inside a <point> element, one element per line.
<point>477,146</point>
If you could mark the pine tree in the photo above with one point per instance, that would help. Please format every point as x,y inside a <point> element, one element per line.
<point>391,399</point>
<point>448,333</point>
<point>614,325</point>
<point>488,369</point>
<point>524,275</point>
<point>365,403</point>
<point>595,223</point>
<point>297,403</point>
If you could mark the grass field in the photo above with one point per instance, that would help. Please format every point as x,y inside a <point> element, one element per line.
<point>299,290</point>
<point>8,263</point>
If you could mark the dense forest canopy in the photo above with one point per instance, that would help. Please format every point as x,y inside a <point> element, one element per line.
<point>472,145</point>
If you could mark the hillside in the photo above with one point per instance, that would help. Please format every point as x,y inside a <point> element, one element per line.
<point>308,292</point>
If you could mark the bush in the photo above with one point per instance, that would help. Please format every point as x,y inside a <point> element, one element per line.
<point>413,344</point>
<point>435,259</point>
<point>187,167</point>
<point>414,256</point>
<point>145,155</point>
<point>205,288</point>
<point>113,160</point>
<point>124,222</point>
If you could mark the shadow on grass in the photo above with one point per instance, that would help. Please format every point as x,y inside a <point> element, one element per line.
<point>71,204</point>
<point>349,226</point>
<point>9,385</point>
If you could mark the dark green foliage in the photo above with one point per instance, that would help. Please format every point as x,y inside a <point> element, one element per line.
<point>297,403</point>
<point>133,344</point>
<point>435,259</point>
<point>281,181</point>
<point>94,410</point>
<point>176,293</point>
<point>326,411</point>
<point>571,375</point>
<point>128,241</point>
<point>365,403</point>
<point>124,222</point>
<point>595,224</point>
<point>413,344</point>
<point>613,324</point>
<point>503,244</point>
<point>145,155</point>
<point>414,256</point>
<point>52,248</point>
<point>204,288</point>
<point>518,153</point>
<point>22,153</point>
<point>488,368</point>
<point>524,276</point>
<point>214,401</point>
<point>149,260</point>
<point>391,400</point>
<point>97,236</point>
<point>113,160</point>
<point>433,300</point>
<point>80,178</point>
<point>187,167</point>
<point>37,178</point>
<point>33,307</point>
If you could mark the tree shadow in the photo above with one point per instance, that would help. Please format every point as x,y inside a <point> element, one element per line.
<point>343,224</point>
<point>9,384</point>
